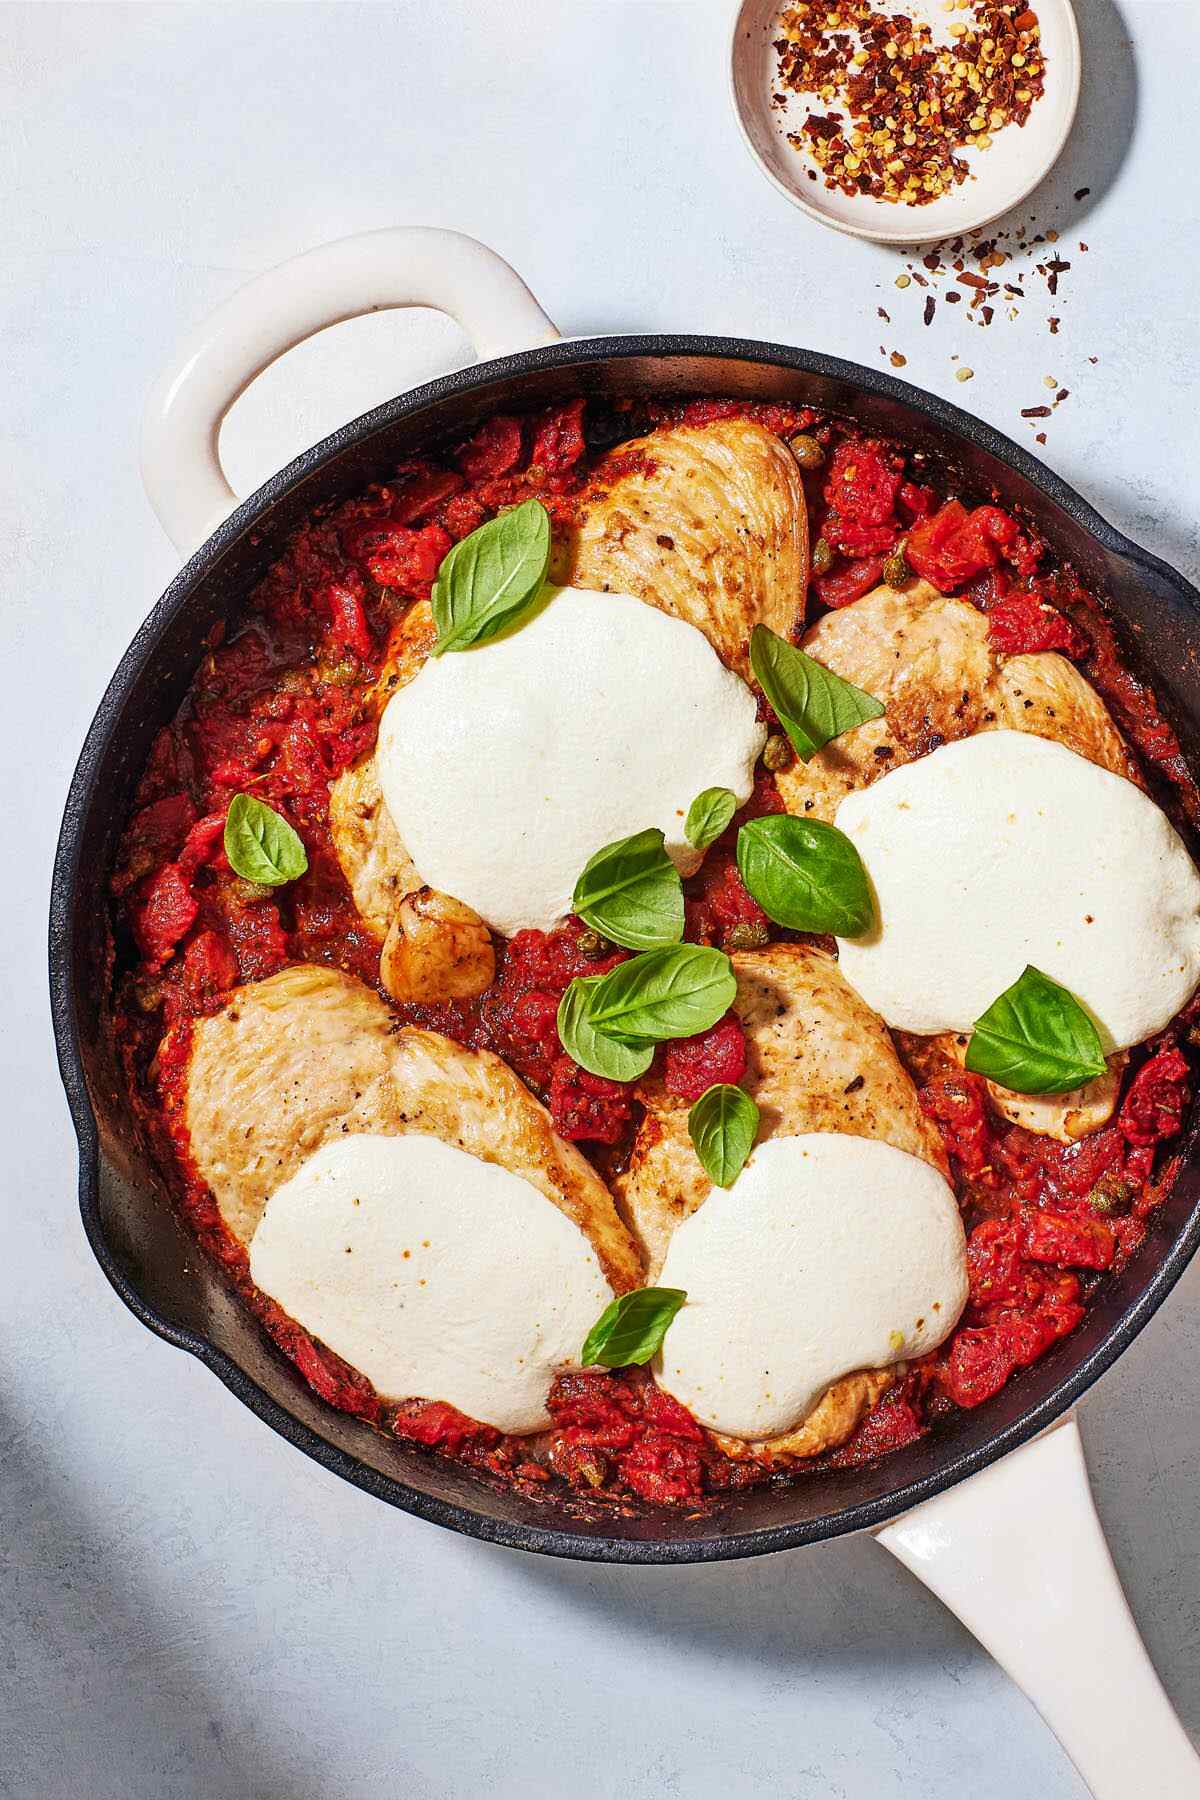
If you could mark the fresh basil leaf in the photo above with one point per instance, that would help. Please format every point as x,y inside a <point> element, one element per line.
<point>631,1328</point>
<point>598,1054</point>
<point>723,1125</point>
<point>669,993</point>
<point>491,577</point>
<point>811,703</point>
<point>1036,1039</point>
<point>631,892</point>
<point>260,845</point>
<point>708,815</point>
<point>805,874</point>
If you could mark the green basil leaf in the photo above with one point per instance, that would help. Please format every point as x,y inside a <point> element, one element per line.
<point>806,875</point>
<point>1036,1039</point>
<point>811,703</point>
<point>669,993</point>
<point>723,1125</point>
<point>631,892</point>
<point>491,577</point>
<point>260,845</point>
<point>631,1329</point>
<point>708,815</point>
<point>598,1054</point>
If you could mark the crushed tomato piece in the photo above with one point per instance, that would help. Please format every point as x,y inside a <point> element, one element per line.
<point>692,1065</point>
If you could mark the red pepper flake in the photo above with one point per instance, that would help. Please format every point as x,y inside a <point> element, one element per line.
<point>1054,325</point>
<point>1040,438</point>
<point>909,105</point>
<point>898,361</point>
<point>1062,394</point>
<point>1082,193</point>
<point>883,315</point>
<point>952,299</point>
<point>930,308</point>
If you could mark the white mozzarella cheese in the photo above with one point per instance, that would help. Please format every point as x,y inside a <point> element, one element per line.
<point>439,1276</point>
<point>1006,849</point>
<point>505,767</point>
<point>828,1254</point>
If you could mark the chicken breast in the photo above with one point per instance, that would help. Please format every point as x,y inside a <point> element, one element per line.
<point>818,1060</point>
<point>433,947</point>
<point>928,658</point>
<point>706,522</point>
<point>377,867</point>
<point>310,1055</point>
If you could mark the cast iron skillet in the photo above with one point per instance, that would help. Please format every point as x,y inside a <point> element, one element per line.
<point>132,1228</point>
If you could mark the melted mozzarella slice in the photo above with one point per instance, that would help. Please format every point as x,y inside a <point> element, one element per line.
<point>439,1276</point>
<point>1006,849</point>
<point>828,1254</point>
<point>505,767</point>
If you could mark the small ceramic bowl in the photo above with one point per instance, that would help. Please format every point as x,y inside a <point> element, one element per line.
<point>1001,176</point>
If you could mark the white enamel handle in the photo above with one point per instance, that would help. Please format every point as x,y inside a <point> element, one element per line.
<point>1019,1554</point>
<point>404,266</point>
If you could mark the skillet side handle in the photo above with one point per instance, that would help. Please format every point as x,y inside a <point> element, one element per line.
<point>217,361</point>
<point>1019,1554</point>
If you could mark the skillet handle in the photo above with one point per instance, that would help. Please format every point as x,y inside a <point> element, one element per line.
<point>1019,1554</point>
<point>217,361</point>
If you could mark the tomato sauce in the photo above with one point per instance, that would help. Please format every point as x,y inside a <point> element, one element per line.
<point>284,705</point>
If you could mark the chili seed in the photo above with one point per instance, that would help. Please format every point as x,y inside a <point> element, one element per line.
<point>807,451</point>
<point>822,557</point>
<point>589,944</point>
<point>777,753</point>
<point>747,936</point>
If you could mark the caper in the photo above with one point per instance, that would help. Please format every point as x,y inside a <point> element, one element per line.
<point>590,943</point>
<point>777,753</point>
<point>747,936</point>
<point>822,557</point>
<point>896,569</point>
<point>807,451</point>
<point>1111,1195</point>
<point>245,893</point>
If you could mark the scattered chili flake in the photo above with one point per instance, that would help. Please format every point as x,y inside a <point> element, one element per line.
<point>1035,412</point>
<point>910,105</point>
<point>897,360</point>
<point>883,315</point>
<point>1062,394</point>
<point>1040,438</point>
<point>1053,324</point>
<point>952,299</point>
<point>930,306</point>
<point>1082,193</point>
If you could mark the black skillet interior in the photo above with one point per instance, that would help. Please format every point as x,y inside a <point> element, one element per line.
<point>132,1228</point>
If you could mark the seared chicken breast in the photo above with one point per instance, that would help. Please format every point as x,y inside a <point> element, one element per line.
<point>707,523</point>
<point>310,1055</point>
<point>927,656</point>
<point>818,1060</point>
